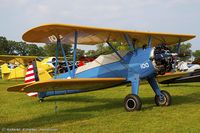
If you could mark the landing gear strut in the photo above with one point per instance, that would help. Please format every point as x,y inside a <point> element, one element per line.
<point>132,102</point>
<point>41,100</point>
<point>164,100</point>
<point>162,97</point>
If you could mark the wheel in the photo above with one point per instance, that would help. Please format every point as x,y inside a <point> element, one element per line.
<point>132,102</point>
<point>165,101</point>
<point>41,100</point>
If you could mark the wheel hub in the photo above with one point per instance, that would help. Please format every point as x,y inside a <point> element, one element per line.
<point>162,100</point>
<point>131,104</point>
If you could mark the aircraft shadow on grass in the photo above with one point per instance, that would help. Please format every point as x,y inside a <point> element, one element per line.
<point>67,115</point>
<point>192,98</point>
<point>172,86</point>
<point>85,113</point>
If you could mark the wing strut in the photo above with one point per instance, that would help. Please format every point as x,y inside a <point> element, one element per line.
<point>56,65</point>
<point>64,55</point>
<point>74,52</point>
<point>178,47</point>
<point>65,58</point>
<point>128,40</point>
<point>149,41</point>
<point>115,50</point>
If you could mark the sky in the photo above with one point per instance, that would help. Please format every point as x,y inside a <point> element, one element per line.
<point>173,16</point>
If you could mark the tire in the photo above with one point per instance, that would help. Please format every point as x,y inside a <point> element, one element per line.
<point>132,102</point>
<point>166,99</point>
<point>41,100</point>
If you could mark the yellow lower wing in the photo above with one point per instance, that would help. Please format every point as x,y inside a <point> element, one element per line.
<point>171,76</point>
<point>68,84</point>
<point>17,88</point>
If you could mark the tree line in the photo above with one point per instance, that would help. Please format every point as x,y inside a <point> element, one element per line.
<point>184,55</point>
<point>10,47</point>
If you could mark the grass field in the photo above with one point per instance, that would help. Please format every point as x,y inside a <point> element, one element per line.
<point>101,111</point>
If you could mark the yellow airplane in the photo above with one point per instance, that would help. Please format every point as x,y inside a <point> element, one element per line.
<point>15,67</point>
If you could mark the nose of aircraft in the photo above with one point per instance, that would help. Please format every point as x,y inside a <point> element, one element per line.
<point>163,59</point>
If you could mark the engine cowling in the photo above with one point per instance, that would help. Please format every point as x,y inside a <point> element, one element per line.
<point>163,59</point>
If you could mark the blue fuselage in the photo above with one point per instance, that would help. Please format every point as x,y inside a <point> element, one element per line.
<point>134,63</point>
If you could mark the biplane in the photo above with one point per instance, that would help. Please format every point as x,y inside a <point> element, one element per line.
<point>148,56</point>
<point>14,67</point>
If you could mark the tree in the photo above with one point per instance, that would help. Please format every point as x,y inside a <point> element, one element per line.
<point>196,54</point>
<point>80,53</point>
<point>105,49</point>
<point>90,53</point>
<point>9,47</point>
<point>33,49</point>
<point>12,47</point>
<point>51,48</point>
<point>22,48</point>
<point>185,51</point>
<point>4,45</point>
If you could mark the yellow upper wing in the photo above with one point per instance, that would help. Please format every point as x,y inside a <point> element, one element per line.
<point>1,62</point>
<point>16,59</point>
<point>92,35</point>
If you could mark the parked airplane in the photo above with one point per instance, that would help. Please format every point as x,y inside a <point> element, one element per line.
<point>148,56</point>
<point>15,67</point>
<point>189,77</point>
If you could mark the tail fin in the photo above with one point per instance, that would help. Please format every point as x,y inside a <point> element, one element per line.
<point>37,71</point>
<point>31,76</point>
<point>5,71</point>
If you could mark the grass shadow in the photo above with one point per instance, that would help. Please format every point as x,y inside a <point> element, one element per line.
<point>87,112</point>
<point>68,115</point>
<point>180,85</point>
<point>47,120</point>
<point>73,98</point>
<point>82,98</point>
<point>193,98</point>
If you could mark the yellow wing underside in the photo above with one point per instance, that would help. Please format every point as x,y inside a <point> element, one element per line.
<point>171,76</point>
<point>92,35</point>
<point>68,84</point>
<point>16,59</point>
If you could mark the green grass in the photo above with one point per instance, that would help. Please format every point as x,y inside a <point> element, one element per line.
<point>102,111</point>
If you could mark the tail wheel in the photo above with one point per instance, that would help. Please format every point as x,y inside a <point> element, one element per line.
<point>41,100</point>
<point>132,102</point>
<point>165,100</point>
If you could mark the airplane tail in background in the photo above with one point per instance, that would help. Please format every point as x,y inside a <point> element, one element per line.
<point>37,71</point>
<point>5,71</point>
<point>31,76</point>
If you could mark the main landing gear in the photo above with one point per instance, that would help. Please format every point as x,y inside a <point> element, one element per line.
<point>132,101</point>
<point>164,99</point>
